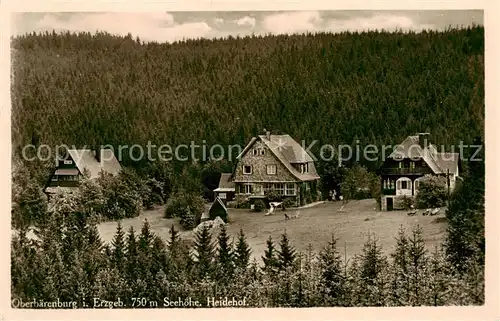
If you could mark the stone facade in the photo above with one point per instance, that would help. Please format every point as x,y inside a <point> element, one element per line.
<point>258,163</point>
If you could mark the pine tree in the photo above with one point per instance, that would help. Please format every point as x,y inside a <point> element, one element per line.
<point>145,243</point>
<point>440,279</point>
<point>132,256</point>
<point>418,260</point>
<point>204,252</point>
<point>331,274</point>
<point>242,252</point>
<point>224,256</point>
<point>372,274</point>
<point>118,242</point>
<point>286,253</point>
<point>400,281</point>
<point>159,257</point>
<point>465,215</point>
<point>269,258</point>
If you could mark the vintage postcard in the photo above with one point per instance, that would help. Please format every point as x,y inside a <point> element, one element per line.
<point>213,164</point>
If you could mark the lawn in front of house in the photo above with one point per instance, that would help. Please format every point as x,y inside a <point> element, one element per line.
<point>314,226</point>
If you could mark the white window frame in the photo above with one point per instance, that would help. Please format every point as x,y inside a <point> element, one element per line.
<point>248,188</point>
<point>268,167</point>
<point>54,178</point>
<point>222,196</point>
<point>68,162</point>
<point>290,187</point>
<point>245,172</point>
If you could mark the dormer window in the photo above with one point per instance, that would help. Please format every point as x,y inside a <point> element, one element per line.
<point>304,168</point>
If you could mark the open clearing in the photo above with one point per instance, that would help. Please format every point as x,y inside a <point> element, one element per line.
<point>314,226</point>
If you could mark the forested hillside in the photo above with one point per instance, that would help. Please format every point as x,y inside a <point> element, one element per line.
<point>376,87</point>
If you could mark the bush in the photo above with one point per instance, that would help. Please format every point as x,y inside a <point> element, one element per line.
<point>273,196</point>
<point>241,201</point>
<point>120,200</point>
<point>188,221</point>
<point>259,206</point>
<point>187,206</point>
<point>288,202</point>
<point>406,202</point>
<point>432,192</point>
<point>232,204</point>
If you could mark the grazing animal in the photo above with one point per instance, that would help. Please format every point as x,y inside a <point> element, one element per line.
<point>426,212</point>
<point>287,217</point>
<point>411,213</point>
<point>435,211</point>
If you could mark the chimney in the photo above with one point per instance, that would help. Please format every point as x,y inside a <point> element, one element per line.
<point>268,135</point>
<point>423,140</point>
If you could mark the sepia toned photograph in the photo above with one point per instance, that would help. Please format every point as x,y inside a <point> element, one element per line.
<point>247,159</point>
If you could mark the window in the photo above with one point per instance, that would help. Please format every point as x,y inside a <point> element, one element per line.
<point>304,168</point>
<point>271,169</point>
<point>279,188</point>
<point>404,185</point>
<point>412,165</point>
<point>290,189</point>
<point>247,169</point>
<point>54,178</point>
<point>248,188</point>
<point>222,196</point>
<point>262,151</point>
<point>68,162</point>
<point>400,164</point>
<point>255,152</point>
<point>416,184</point>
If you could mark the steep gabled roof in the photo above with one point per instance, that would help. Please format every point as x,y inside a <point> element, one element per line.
<point>439,163</point>
<point>85,160</point>
<point>288,152</point>
<point>225,183</point>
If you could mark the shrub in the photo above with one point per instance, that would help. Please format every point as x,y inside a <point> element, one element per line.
<point>273,196</point>
<point>187,206</point>
<point>406,202</point>
<point>188,221</point>
<point>241,201</point>
<point>259,206</point>
<point>120,199</point>
<point>232,204</point>
<point>432,192</point>
<point>288,202</point>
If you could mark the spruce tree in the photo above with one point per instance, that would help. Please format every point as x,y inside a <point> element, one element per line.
<point>242,252</point>
<point>372,275</point>
<point>332,282</point>
<point>132,256</point>
<point>224,257</point>
<point>269,258</point>
<point>286,253</point>
<point>203,252</point>
<point>400,282</point>
<point>118,242</point>
<point>418,268</point>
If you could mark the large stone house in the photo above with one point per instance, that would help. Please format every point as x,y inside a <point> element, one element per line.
<point>272,163</point>
<point>409,163</point>
<point>69,171</point>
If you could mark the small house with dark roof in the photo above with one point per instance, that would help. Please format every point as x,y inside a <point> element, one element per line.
<point>225,190</point>
<point>273,163</point>
<point>71,168</point>
<point>410,161</point>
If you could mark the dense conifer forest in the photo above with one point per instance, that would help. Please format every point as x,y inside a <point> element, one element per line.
<point>375,87</point>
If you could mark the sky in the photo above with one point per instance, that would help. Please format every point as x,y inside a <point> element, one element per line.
<point>173,26</point>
